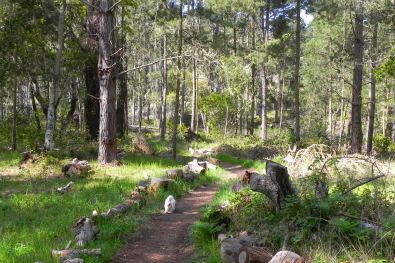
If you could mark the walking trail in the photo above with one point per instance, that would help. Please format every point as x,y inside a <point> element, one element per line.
<point>165,238</point>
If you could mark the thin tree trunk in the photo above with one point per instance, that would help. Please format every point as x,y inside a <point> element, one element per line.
<point>265,13</point>
<point>194,114</point>
<point>34,106</point>
<point>372,90</point>
<point>393,119</point>
<point>296,73</point>
<point>177,98</point>
<point>330,119</point>
<point>107,128</point>
<point>73,105</point>
<point>183,91</point>
<point>280,124</point>
<point>51,117</point>
<point>14,115</point>
<point>253,70</point>
<point>356,103</point>
<point>163,95</point>
<point>122,99</point>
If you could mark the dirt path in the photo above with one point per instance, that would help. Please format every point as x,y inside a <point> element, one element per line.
<point>165,238</point>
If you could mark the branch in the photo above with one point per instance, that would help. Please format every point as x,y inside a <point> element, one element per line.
<point>364,181</point>
<point>149,64</point>
<point>114,5</point>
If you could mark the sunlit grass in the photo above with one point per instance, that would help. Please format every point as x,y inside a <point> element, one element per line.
<point>34,218</point>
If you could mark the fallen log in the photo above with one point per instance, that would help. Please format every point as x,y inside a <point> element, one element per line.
<point>64,189</point>
<point>231,247</point>
<point>207,165</point>
<point>254,255</point>
<point>174,173</point>
<point>195,168</point>
<point>286,257</point>
<point>74,260</point>
<point>84,231</point>
<point>157,183</point>
<point>75,253</point>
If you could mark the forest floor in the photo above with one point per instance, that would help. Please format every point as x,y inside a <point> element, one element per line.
<point>166,237</point>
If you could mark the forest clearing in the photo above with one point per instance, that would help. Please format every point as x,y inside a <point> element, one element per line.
<point>233,131</point>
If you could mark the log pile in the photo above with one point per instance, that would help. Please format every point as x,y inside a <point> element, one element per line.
<point>76,168</point>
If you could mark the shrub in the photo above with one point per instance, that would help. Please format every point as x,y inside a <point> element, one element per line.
<point>381,143</point>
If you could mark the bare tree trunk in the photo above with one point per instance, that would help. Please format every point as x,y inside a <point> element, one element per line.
<point>91,103</point>
<point>107,128</point>
<point>194,114</point>
<point>330,118</point>
<point>372,90</point>
<point>34,106</point>
<point>73,105</point>
<point>296,73</point>
<point>280,125</point>
<point>393,119</point>
<point>253,70</point>
<point>183,90</point>
<point>356,103</point>
<point>122,99</point>
<point>51,117</point>
<point>163,95</point>
<point>265,12</point>
<point>14,115</point>
<point>177,99</point>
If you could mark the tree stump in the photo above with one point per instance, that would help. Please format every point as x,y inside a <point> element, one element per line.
<point>275,185</point>
<point>195,168</point>
<point>286,257</point>
<point>254,255</point>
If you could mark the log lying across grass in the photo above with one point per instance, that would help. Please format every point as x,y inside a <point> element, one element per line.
<point>75,253</point>
<point>254,254</point>
<point>64,189</point>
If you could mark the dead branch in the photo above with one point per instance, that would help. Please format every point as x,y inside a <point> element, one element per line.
<point>363,181</point>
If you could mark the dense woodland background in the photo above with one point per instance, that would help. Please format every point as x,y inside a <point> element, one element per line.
<point>319,70</point>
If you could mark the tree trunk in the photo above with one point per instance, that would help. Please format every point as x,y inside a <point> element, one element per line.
<point>163,94</point>
<point>296,73</point>
<point>253,69</point>
<point>107,128</point>
<point>183,91</point>
<point>372,90</point>
<point>73,105</point>
<point>14,115</point>
<point>177,98</point>
<point>262,72</point>
<point>92,105</point>
<point>51,117</point>
<point>194,115</point>
<point>122,99</point>
<point>356,102</point>
<point>34,107</point>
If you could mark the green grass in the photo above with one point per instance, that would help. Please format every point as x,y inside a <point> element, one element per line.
<point>247,163</point>
<point>36,219</point>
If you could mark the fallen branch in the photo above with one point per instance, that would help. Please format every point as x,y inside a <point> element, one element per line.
<point>75,253</point>
<point>363,181</point>
<point>64,189</point>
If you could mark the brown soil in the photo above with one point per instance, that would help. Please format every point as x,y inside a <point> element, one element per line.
<point>165,238</point>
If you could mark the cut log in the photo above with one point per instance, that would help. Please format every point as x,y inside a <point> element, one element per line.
<point>144,184</point>
<point>189,177</point>
<point>84,231</point>
<point>75,253</point>
<point>64,189</point>
<point>76,167</point>
<point>207,165</point>
<point>275,185</point>
<point>143,146</point>
<point>195,168</point>
<point>118,209</point>
<point>286,257</point>
<point>230,249</point>
<point>254,255</point>
<point>74,260</point>
<point>174,173</point>
<point>157,183</point>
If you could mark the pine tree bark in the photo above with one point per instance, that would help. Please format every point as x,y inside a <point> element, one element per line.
<point>107,127</point>
<point>122,99</point>
<point>177,98</point>
<point>194,115</point>
<point>163,94</point>
<point>265,12</point>
<point>372,90</point>
<point>92,106</point>
<point>51,117</point>
<point>356,102</point>
<point>296,76</point>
